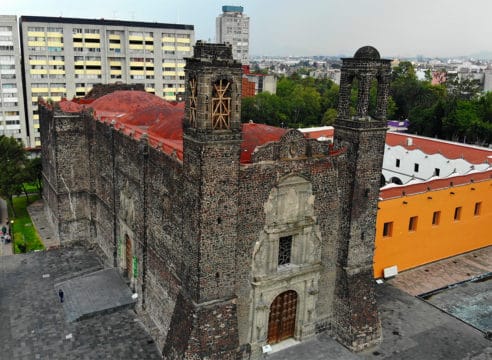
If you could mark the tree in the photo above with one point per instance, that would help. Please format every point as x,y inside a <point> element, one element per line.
<point>34,169</point>
<point>12,172</point>
<point>329,117</point>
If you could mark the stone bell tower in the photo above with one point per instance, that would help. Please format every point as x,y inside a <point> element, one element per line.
<point>211,154</point>
<point>356,322</point>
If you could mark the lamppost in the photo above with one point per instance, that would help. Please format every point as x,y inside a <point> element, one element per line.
<point>11,233</point>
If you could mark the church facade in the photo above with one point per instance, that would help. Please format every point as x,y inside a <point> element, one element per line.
<point>233,235</point>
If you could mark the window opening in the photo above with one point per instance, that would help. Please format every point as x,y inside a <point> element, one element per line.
<point>388,229</point>
<point>457,213</point>
<point>478,208</point>
<point>412,223</point>
<point>284,250</point>
<point>221,105</point>
<point>436,217</point>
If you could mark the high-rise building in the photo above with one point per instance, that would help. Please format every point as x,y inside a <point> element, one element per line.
<point>12,117</point>
<point>65,57</point>
<point>232,27</point>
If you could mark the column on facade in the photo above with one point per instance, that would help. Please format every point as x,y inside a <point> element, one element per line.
<point>363,95</point>
<point>344,95</point>
<point>382,96</point>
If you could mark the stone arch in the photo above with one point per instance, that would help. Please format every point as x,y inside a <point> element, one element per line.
<point>282,317</point>
<point>396,180</point>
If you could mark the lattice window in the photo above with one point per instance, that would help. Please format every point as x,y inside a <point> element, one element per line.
<point>193,100</point>
<point>221,105</point>
<point>284,250</point>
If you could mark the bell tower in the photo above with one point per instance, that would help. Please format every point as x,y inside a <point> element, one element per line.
<point>356,321</point>
<point>213,89</point>
<point>211,154</point>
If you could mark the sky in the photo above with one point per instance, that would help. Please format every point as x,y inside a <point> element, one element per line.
<point>397,28</point>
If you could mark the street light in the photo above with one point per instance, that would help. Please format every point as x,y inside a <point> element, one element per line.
<point>10,231</point>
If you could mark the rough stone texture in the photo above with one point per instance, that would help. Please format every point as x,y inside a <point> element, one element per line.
<point>356,323</point>
<point>201,237</point>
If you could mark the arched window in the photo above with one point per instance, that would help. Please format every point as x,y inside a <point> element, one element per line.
<point>221,105</point>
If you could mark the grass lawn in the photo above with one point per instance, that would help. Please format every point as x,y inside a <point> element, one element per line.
<point>25,235</point>
<point>30,188</point>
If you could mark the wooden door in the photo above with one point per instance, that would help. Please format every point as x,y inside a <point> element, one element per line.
<point>129,257</point>
<point>282,319</point>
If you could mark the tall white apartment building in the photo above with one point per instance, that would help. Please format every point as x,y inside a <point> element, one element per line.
<point>65,57</point>
<point>232,27</point>
<point>12,118</point>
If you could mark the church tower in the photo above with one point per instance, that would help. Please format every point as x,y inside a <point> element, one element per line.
<point>356,323</point>
<point>211,154</point>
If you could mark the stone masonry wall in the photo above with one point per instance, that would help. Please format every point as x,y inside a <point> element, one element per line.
<point>256,182</point>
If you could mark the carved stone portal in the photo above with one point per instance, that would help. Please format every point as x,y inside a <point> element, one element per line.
<point>289,221</point>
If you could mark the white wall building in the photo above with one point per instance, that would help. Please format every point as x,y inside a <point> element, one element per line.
<point>408,161</point>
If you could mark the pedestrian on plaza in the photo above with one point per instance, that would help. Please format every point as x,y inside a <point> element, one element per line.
<point>7,238</point>
<point>60,294</point>
<point>4,230</point>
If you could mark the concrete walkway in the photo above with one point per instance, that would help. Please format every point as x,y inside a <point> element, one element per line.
<point>42,225</point>
<point>5,249</point>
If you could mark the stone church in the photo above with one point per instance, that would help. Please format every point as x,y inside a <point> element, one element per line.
<point>234,236</point>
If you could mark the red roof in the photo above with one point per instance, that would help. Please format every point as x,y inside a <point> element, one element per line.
<point>316,134</point>
<point>448,149</point>
<point>395,191</point>
<point>255,135</point>
<point>136,113</point>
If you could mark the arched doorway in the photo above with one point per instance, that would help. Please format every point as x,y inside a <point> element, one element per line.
<point>396,181</point>
<point>128,256</point>
<point>282,318</point>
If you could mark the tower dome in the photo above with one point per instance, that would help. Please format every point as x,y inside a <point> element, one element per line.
<point>367,52</point>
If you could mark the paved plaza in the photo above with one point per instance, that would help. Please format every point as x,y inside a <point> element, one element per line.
<point>34,324</point>
<point>33,321</point>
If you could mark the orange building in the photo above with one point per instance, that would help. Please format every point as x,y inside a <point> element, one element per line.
<point>425,221</point>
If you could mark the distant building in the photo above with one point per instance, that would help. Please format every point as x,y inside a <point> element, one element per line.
<point>438,77</point>
<point>12,117</point>
<point>487,81</point>
<point>232,27</point>
<point>258,83</point>
<point>66,57</point>
<point>398,126</point>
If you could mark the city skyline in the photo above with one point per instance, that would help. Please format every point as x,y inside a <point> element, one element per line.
<point>329,27</point>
